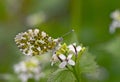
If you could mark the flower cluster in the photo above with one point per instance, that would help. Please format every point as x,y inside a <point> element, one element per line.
<point>35,42</point>
<point>28,68</point>
<point>116,21</point>
<point>66,54</point>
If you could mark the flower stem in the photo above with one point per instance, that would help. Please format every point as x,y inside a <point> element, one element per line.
<point>76,75</point>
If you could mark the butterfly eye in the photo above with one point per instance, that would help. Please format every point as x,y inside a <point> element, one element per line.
<point>35,42</point>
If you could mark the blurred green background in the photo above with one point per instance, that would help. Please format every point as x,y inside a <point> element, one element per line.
<point>89,18</point>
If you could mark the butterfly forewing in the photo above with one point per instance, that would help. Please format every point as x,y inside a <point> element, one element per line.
<point>35,42</point>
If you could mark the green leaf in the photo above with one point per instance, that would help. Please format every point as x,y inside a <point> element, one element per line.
<point>62,75</point>
<point>87,63</point>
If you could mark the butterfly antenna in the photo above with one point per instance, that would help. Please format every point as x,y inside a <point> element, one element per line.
<point>68,33</point>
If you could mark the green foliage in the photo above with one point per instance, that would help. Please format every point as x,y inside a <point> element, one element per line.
<point>89,20</point>
<point>9,78</point>
<point>87,63</point>
<point>113,47</point>
<point>62,75</point>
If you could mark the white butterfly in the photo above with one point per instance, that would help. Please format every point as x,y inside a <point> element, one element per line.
<point>36,42</point>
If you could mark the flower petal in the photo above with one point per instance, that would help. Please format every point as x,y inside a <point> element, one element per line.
<point>74,44</point>
<point>63,64</point>
<point>78,48</point>
<point>63,57</point>
<point>71,62</point>
<point>54,59</point>
<point>69,56</point>
<point>71,48</point>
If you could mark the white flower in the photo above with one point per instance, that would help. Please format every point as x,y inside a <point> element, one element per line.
<point>54,56</point>
<point>116,21</point>
<point>28,68</point>
<point>54,59</point>
<point>66,60</point>
<point>115,15</point>
<point>74,49</point>
<point>115,24</point>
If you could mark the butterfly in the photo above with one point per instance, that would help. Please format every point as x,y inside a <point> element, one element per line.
<point>35,42</point>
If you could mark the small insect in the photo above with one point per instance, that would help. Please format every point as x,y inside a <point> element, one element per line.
<point>35,42</point>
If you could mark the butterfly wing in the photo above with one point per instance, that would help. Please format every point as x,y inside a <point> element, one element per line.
<point>35,42</point>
